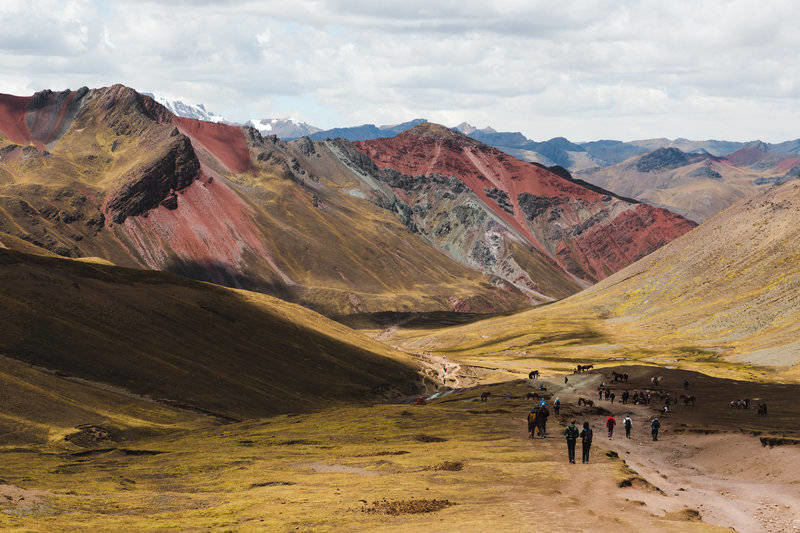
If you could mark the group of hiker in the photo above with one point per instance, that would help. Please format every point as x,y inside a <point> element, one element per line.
<point>572,435</point>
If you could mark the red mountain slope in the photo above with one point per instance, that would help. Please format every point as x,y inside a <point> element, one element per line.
<point>590,232</point>
<point>110,173</point>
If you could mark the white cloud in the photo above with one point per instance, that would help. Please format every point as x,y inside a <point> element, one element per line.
<point>587,69</point>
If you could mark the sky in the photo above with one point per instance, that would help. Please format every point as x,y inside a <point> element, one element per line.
<point>585,70</point>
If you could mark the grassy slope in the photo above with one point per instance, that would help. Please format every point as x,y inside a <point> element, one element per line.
<point>728,288</point>
<point>233,352</point>
<point>319,471</point>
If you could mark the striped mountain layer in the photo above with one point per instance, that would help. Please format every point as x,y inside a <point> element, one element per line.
<point>110,173</point>
<point>588,232</point>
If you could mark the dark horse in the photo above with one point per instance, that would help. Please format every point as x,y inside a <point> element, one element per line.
<point>586,402</point>
<point>534,374</point>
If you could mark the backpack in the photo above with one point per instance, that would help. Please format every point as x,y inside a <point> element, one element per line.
<point>571,433</point>
<point>587,435</point>
<point>655,424</point>
<point>628,422</point>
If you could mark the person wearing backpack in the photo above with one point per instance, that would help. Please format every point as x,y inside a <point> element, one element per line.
<point>610,423</point>
<point>557,406</point>
<point>655,425</point>
<point>571,434</point>
<point>541,419</point>
<point>532,423</point>
<point>628,423</point>
<point>586,442</point>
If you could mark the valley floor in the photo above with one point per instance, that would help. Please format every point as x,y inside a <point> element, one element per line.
<point>455,463</point>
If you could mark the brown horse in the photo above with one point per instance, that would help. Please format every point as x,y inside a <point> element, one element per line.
<point>585,401</point>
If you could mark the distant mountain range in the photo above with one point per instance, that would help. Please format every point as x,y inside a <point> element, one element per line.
<point>284,128</point>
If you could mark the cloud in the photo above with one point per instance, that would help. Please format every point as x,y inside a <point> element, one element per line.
<point>589,69</point>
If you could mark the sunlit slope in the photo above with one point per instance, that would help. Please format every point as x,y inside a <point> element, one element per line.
<point>234,353</point>
<point>725,296</point>
<point>110,173</point>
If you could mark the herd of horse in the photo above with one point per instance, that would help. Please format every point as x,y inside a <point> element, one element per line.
<point>639,397</point>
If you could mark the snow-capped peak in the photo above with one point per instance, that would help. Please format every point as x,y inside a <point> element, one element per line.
<point>284,128</point>
<point>182,109</point>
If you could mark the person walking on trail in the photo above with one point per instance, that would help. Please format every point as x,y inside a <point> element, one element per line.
<point>628,423</point>
<point>625,396</point>
<point>655,425</point>
<point>612,397</point>
<point>608,393</point>
<point>557,406</point>
<point>532,423</point>
<point>541,419</point>
<point>610,423</point>
<point>600,393</point>
<point>571,434</point>
<point>686,384</point>
<point>566,380</point>
<point>586,442</point>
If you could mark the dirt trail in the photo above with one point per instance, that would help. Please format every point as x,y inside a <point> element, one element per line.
<point>727,476</point>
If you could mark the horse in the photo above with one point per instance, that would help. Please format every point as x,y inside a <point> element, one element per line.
<point>688,399</point>
<point>532,396</point>
<point>534,374</point>
<point>586,402</point>
<point>617,376</point>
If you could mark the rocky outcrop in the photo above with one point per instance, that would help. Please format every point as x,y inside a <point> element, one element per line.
<point>146,186</point>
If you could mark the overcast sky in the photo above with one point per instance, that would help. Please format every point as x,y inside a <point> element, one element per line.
<point>583,69</point>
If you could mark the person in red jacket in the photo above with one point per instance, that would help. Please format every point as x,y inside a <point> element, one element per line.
<point>610,423</point>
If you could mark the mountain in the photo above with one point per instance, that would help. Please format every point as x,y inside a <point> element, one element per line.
<point>364,132</point>
<point>722,299</point>
<point>285,128</point>
<point>181,109</point>
<point>587,232</point>
<point>111,173</point>
<point>332,225</point>
<point>697,185</point>
<point>178,346</point>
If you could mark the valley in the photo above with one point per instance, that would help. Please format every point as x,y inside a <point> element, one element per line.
<point>206,327</point>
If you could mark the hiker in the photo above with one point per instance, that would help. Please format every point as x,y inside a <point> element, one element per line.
<point>608,393</point>
<point>571,434</point>
<point>612,397</point>
<point>600,393</point>
<point>636,398</point>
<point>628,423</point>
<point>557,406</point>
<point>586,442</point>
<point>531,423</point>
<point>625,396</point>
<point>541,419</point>
<point>686,384</point>
<point>610,423</point>
<point>566,380</point>
<point>655,425</point>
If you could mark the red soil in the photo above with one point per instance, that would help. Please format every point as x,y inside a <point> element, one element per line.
<point>212,227</point>
<point>746,156</point>
<point>12,118</point>
<point>636,233</point>
<point>224,142</point>
<point>786,164</point>
<point>603,248</point>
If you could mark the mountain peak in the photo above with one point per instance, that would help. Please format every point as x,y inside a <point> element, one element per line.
<point>437,131</point>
